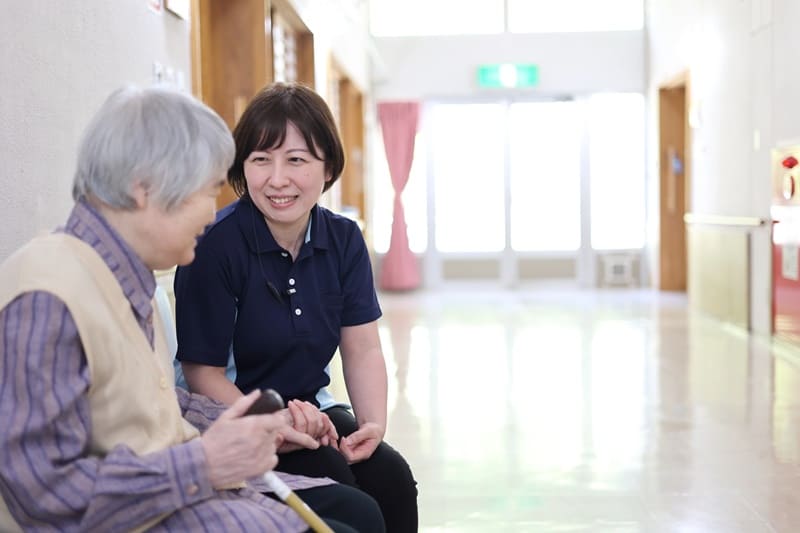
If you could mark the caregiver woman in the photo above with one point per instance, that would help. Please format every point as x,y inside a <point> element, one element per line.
<point>280,283</point>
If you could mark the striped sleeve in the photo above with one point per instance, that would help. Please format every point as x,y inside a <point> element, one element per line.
<point>46,479</point>
<point>200,411</point>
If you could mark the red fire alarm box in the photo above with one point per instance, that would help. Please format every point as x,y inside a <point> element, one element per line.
<point>785,213</point>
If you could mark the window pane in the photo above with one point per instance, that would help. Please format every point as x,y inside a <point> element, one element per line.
<point>468,163</point>
<point>545,176</point>
<point>390,18</point>
<point>534,16</point>
<point>414,199</point>
<point>616,129</point>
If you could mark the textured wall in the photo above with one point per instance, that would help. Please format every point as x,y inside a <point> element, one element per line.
<point>58,62</point>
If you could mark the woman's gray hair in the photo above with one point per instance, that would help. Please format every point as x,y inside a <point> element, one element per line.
<point>168,141</point>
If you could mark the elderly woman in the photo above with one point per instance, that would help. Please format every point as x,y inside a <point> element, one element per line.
<point>94,437</point>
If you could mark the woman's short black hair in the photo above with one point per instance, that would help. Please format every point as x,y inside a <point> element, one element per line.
<point>263,126</point>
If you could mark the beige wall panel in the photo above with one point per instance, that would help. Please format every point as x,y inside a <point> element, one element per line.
<point>719,273</point>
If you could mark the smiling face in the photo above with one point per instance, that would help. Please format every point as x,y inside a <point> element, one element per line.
<point>285,182</point>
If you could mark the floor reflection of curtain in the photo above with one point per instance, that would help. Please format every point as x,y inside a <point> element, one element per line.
<point>399,270</point>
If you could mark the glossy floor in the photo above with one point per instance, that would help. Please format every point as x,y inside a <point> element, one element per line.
<point>567,410</point>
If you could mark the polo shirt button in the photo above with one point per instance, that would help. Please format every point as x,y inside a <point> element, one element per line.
<point>162,382</point>
<point>284,254</point>
<point>291,281</point>
<point>298,311</point>
<point>192,489</point>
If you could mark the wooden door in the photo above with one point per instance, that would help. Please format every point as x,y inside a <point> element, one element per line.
<point>674,175</point>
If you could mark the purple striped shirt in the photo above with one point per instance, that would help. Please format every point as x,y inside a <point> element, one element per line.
<point>46,478</point>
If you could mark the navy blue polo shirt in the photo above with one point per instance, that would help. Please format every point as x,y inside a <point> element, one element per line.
<point>281,319</point>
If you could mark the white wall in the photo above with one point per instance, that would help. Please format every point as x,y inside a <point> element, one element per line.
<point>340,31</point>
<point>58,62</point>
<point>573,63</point>
<point>742,57</point>
<point>782,103</point>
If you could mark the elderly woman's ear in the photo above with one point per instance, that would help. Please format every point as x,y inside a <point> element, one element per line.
<point>140,194</point>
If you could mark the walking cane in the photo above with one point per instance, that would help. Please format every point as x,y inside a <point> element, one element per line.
<point>269,402</point>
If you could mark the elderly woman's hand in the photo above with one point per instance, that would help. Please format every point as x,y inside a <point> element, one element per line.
<point>240,447</point>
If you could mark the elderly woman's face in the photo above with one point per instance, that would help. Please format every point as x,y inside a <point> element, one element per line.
<point>174,233</point>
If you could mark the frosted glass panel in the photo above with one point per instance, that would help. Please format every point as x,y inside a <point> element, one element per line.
<point>535,16</point>
<point>616,128</point>
<point>545,176</point>
<point>468,176</point>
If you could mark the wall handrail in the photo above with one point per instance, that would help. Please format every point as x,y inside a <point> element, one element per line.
<point>724,220</point>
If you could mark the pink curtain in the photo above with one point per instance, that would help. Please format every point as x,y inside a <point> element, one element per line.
<point>399,120</point>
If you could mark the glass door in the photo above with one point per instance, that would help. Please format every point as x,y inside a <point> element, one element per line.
<point>506,190</point>
<point>513,192</point>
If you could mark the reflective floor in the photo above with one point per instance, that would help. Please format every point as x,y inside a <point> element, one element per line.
<point>567,410</point>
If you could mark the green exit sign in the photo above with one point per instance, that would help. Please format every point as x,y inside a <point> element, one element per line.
<point>508,75</point>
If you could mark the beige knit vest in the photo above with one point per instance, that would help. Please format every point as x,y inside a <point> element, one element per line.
<point>131,395</point>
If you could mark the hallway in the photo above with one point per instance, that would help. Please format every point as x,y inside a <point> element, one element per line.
<point>610,411</point>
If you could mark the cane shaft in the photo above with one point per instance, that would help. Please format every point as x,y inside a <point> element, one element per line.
<point>298,506</point>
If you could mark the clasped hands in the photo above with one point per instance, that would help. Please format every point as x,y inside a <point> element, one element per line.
<point>306,427</point>
<point>305,420</point>
<point>240,447</point>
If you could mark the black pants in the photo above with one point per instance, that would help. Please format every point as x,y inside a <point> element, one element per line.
<point>343,508</point>
<point>385,476</point>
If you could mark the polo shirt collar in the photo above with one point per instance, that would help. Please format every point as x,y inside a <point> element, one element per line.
<point>257,234</point>
<point>319,228</point>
